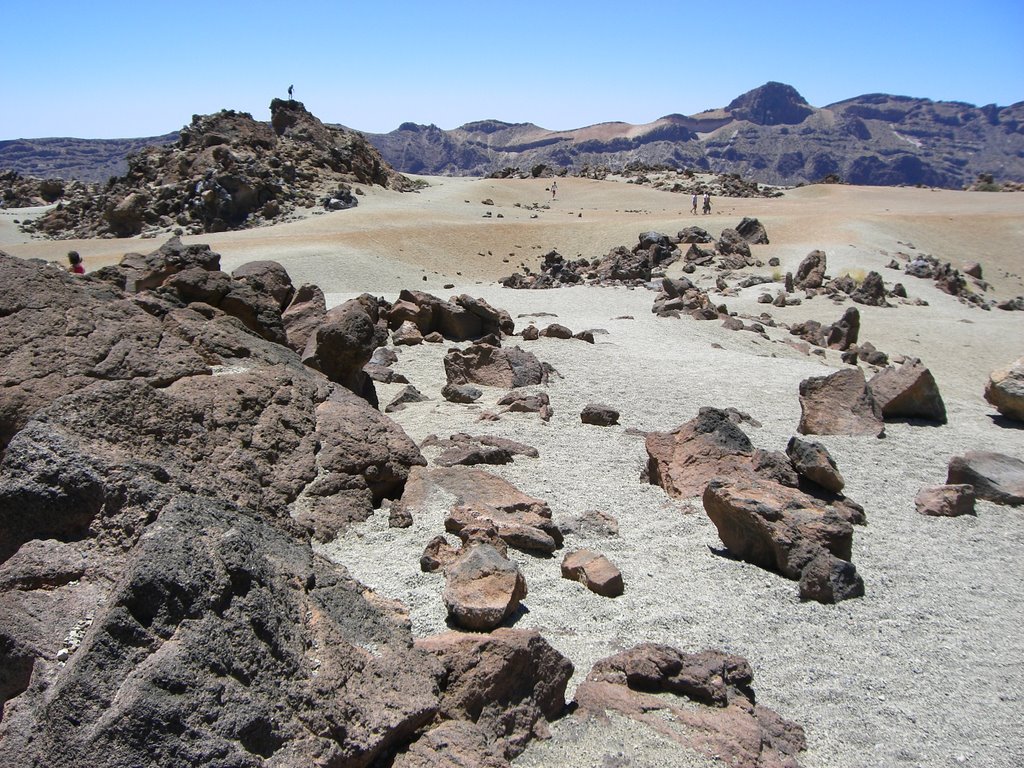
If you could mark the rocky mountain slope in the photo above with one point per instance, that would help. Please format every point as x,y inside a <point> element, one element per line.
<point>770,134</point>
<point>94,160</point>
<point>225,171</point>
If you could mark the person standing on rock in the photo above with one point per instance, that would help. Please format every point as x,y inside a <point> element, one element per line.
<point>290,89</point>
<point>75,263</point>
<point>693,209</point>
<point>707,203</point>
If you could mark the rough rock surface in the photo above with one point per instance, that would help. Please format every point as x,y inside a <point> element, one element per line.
<point>225,171</point>
<point>780,528</point>
<point>995,476</point>
<point>523,521</point>
<point>908,392</point>
<point>810,273</point>
<point>718,718</point>
<point>1005,390</point>
<point>216,625</point>
<point>506,367</point>
<point>839,404</point>
<point>684,460</point>
<point>508,684</point>
<point>813,461</point>
<point>595,571</point>
<point>482,588</point>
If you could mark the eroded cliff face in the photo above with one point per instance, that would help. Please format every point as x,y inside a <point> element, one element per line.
<point>770,134</point>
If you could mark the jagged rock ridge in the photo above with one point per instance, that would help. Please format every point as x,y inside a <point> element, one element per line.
<point>225,171</point>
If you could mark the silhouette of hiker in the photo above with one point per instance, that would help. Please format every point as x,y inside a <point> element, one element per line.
<point>693,209</point>
<point>290,88</point>
<point>554,189</point>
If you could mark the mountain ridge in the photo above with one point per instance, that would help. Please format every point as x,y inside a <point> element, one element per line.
<point>769,134</point>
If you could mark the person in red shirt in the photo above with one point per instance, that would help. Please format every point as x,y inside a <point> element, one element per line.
<point>75,262</point>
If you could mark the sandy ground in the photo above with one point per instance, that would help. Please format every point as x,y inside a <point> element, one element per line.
<point>927,669</point>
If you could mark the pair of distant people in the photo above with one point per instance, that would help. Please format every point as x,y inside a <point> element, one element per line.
<point>707,203</point>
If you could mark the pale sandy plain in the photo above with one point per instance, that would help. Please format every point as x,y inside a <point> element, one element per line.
<point>927,669</point>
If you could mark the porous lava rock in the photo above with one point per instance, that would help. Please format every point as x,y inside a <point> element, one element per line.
<point>491,366</point>
<point>599,414</point>
<point>810,274</point>
<point>813,461</point>
<point>508,685</point>
<point>684,460</point>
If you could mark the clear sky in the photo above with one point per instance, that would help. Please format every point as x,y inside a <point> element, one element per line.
<point>104,69</point>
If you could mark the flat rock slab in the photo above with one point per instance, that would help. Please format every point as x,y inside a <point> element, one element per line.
<point>995,476</point>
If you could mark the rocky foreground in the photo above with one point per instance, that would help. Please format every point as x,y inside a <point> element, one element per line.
<point>174,437</point>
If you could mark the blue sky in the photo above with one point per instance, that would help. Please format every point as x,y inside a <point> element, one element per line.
<point>105,69</point>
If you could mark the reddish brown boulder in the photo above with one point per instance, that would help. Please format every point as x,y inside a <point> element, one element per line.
<point>505,367</point>
<point>556,331</point>
<point>594,571</point>
<point>775,527</point>
<point>719,719</point>
<point>407,334</point>
<point>908,392</point>
<point>996,477</point>
<point>482,588</point>
<point>839,404</point>
<point>527,402</point>
<point>684,460</point>
<point>509,684</point>
<point>945,500</point>
<point>343,343</point>
<point>522,521</point>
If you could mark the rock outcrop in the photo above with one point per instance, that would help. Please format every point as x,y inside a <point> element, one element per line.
<point>225,171</point>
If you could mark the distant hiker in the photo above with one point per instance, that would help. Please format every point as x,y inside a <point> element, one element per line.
<point>554,189</point>
<point>693,210</point>
<point>75,262</point>
<point>290,88</point>
<point>707,203</point>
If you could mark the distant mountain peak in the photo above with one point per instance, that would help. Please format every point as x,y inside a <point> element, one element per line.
<point>771,104</point>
